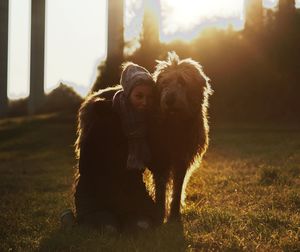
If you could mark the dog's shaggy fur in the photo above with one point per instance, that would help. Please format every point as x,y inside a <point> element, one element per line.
<point>180,138</point>
<point>102,183</point>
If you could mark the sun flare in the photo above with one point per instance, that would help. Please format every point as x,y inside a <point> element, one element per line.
<point>178,15</point>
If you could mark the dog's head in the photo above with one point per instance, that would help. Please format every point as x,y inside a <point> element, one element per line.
<point>182,86</point>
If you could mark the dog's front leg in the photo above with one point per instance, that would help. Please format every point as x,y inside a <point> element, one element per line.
<point>160,180</point>
<point>178,178</point>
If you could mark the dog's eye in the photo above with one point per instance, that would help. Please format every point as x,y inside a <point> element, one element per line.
<point>139,96</point>
<point>164,83</point>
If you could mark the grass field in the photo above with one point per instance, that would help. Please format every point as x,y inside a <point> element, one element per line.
<point>246,196</point>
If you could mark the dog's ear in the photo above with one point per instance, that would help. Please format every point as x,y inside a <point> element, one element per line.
<point>197,82</point>
<point>208,88</point>
<point>159,69</point>
<point>202,79</point>
<point>204,82</point>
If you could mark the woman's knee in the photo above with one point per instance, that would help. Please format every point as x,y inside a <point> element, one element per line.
<point>102,220</point>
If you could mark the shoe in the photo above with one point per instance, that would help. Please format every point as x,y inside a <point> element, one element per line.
<point>110,229</point>
<point>67,219</point>
<point>143,224</point>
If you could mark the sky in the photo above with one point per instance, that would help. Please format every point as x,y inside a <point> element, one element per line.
<point>76,35</point>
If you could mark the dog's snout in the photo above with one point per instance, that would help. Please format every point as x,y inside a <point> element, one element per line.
<point>170,100</point>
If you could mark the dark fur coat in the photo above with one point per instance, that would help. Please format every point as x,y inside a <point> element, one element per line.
<point>104,183</point>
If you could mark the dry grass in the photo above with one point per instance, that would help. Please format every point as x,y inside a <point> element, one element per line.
<point>246,196</point>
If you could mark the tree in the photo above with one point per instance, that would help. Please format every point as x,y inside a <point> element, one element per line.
<point>253,15</point>
<point>150,43</point>
<point>286,13</point>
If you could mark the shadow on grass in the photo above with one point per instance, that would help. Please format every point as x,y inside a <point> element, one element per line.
<point>169,237</point>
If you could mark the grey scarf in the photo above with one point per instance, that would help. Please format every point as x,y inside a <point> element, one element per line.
<point>134,127</point>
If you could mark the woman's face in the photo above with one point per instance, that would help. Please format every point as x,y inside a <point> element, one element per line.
<point>141,97</point>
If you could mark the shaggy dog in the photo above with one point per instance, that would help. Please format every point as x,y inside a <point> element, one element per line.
<point>180,136</point>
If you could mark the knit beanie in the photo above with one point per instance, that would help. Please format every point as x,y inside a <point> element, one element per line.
<point>133,75</point>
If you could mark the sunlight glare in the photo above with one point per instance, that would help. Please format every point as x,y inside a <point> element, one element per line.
<point>185,15</point>
<point>270,3</point>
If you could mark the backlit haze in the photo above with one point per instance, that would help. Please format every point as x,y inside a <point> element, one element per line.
<point>76,35</point>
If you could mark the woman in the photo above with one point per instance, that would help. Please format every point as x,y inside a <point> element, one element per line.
<point>113,152</point>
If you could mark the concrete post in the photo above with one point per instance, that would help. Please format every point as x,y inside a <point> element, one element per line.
<point>36,95</point>
<point>115,40</point>
<point>109,73</point>
<point>3,56</point>
<point>115,37</point>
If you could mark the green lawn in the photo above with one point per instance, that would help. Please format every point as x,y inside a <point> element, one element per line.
<point>246,196</point>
